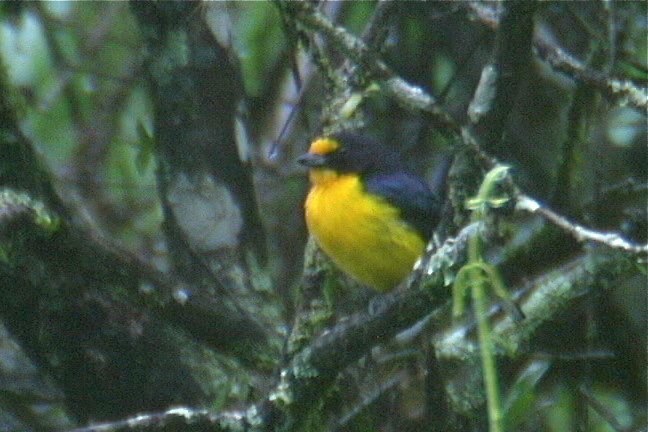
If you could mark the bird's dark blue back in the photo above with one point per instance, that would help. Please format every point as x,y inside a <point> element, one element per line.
<point>419,206</point>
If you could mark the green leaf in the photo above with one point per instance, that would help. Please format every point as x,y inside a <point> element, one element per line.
<point>523,396</point>
<point>146,147</point>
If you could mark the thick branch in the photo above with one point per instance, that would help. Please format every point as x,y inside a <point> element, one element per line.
<point>498,88</point>
<point>306,379</point>
<point>75,304</point>
<point>211,221</point>
<point>71,305</point>
<point>312,371</point>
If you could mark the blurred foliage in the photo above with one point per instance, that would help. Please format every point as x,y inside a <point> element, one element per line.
<point>256,35</point>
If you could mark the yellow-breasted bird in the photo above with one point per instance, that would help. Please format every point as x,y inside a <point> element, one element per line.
<point>366,211</point>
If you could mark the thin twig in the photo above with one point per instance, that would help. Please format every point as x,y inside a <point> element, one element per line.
<point>174,417</point>
<point>580,233</point>
<point>601,409</point>
<point>375,32</point>
<point>622,91</point>
<point>368,399</point>
<point>406,94</point>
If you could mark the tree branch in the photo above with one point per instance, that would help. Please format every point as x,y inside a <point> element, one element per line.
<point>77,307</point>
<point>618,90</point>
<point>310,373</point>
<point>211,220</point>
<point>408,95</point>
<point>306,379</point>
<point>553,293</point>
<point>173,419</point>
<point>72,306</point>
<point>580,233</point>
<point>497,91</point>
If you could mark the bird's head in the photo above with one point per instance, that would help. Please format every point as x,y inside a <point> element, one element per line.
<point>347,153</point>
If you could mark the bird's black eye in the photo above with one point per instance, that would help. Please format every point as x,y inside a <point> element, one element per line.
<point>336,159</point>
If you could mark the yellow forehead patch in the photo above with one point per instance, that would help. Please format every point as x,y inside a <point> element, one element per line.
<point>324,145</point>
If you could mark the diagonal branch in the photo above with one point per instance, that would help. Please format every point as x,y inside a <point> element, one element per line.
<point>618,90</point>
<point>579,232</point>
<point>552,294</point>
<point>309,375</point>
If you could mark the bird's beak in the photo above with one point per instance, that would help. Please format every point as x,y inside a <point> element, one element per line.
<point>312,160</point>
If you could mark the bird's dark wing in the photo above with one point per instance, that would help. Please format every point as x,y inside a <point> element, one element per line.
<point>418,205</point>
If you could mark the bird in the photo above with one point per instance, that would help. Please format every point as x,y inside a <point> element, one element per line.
<point>366,211</point>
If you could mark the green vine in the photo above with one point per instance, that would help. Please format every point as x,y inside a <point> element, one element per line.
<point>478,276</point>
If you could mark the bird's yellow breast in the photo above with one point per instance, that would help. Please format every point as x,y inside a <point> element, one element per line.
<point>362,233</point>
